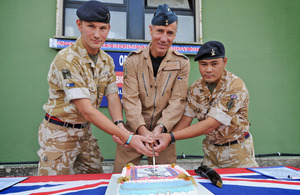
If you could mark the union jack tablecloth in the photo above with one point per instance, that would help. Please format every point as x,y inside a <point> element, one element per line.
<point>235,181</point>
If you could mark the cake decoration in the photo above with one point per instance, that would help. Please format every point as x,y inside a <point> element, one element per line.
<point>167,179</point>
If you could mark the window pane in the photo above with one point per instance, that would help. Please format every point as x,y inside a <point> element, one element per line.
<point>148,18</point>
<point>70,23</point>
<point>117,22</point>
<point>172,3</point>
<point>185,31</point>
<point>117,25</point>
<point>106,1</point>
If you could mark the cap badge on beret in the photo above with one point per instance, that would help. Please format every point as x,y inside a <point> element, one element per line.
<point>210,50</point>
<point>213,52</point>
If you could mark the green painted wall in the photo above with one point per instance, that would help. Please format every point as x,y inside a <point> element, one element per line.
<point>261,40</point>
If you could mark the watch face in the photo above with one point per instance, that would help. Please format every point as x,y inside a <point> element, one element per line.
<point>163,127</point>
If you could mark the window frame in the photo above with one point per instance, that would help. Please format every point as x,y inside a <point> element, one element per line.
<point>196,13</point>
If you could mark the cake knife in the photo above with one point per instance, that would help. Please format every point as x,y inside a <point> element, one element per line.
<point>153,156</point>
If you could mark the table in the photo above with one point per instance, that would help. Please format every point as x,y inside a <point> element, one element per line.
<point>235,181</point>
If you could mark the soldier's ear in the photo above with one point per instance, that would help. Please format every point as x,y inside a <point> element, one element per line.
<point>225,61</point>
<point>79,24</point>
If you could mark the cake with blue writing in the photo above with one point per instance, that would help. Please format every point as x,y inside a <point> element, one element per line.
<point>158,180</point>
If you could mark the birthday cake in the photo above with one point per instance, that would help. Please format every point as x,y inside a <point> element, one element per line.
<point>158,180</point>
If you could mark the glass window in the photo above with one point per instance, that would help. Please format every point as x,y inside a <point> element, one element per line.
<point>125,24</point>
<point>116,31</point>
<point>172,3</point>
<point>106,1</point>
<point>185,30</point>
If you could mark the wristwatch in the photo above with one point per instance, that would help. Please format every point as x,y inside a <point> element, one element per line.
<point>172,138</point>
<point>164,130</point>
<point>118,122</point>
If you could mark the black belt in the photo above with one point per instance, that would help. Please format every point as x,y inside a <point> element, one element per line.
<point>233,142</point>
<point>56,121</point>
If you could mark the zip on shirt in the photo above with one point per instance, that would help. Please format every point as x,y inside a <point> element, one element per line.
<point>156,95</point>
<point>153,103</point>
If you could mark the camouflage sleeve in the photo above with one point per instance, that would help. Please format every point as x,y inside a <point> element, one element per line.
<point>191,103</point>
<point>232,100</point>
<point>67,78</point>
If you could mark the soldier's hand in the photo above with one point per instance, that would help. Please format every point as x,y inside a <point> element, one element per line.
<point>157,130</point>
<point>147,134</point>
<point>163,141</point>
<point>138,143</point>
<point>118,140</point>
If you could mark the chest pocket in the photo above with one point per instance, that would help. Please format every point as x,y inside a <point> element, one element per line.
<point>102,83</point>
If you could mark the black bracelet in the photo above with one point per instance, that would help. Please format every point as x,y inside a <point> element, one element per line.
<point>172,138</point>
<point>118,122</point>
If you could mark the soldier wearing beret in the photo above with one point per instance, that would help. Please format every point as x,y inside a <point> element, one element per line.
<point>154,88</point>
<point>78,78</point>
<point>219,100</point>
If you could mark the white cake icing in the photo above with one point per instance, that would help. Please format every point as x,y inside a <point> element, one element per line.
<point>166,180</point>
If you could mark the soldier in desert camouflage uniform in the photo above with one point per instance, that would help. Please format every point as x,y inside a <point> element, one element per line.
<point>219,100</point>
<point>78,78</point>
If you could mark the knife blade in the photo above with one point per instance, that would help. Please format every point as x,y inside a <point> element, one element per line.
<point>153,156</point>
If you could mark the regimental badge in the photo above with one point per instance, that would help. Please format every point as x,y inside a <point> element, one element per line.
<point>230,104</point>
<point>66,73</point>
<point>213,52</point>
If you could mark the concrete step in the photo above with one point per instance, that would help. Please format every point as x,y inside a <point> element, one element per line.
<point>188,164</point>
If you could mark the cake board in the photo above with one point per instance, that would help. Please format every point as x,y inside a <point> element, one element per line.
<point>112,186</point>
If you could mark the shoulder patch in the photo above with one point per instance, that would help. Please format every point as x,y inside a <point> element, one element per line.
<point>66,73</point>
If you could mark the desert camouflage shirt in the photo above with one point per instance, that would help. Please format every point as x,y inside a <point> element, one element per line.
<point>228,104</point>
<point>73,75</point>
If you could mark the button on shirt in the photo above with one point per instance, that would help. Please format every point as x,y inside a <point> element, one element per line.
<point>73,75</point>
<point>228,104</point>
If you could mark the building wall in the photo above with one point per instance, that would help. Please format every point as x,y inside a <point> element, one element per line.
<point>261,40</point>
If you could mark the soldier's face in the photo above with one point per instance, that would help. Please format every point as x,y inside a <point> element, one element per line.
<point>93,34</point>
<point>212,70</point>
<point>162,38</point>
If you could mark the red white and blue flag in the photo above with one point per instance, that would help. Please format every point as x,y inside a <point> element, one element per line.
<point>243,181</point>
<point>235,181</point>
